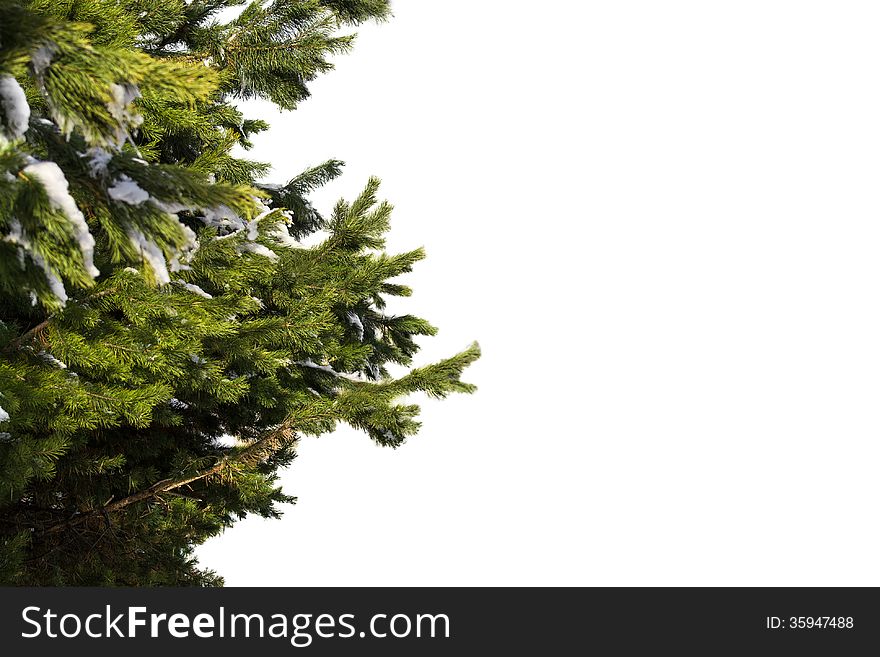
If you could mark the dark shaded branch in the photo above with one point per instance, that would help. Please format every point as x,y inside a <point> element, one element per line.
<point>249,456</point>
<point>31,333</point>
<point>27,335</point>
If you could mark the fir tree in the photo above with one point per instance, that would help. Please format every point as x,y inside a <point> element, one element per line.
<point>155,298</point>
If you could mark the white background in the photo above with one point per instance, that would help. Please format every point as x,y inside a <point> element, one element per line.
<point>660,220</point>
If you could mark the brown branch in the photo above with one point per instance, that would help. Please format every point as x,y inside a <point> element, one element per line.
<point>27,335</point>
<point>39,328</point>
<point>251,455</point>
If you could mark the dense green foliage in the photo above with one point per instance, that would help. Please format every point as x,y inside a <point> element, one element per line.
<point>165,338</point>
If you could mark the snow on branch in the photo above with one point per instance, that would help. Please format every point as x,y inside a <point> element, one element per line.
<point>54,184</point>
<point>194,289</point>
<point>16,236</point>
<point>151,254</point>
<point>15,107</point>
<point>126,190</point>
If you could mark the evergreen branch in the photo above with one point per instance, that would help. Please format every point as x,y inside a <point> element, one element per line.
<point>250,456</point>
<point>237,47</point>
<point>178,35</point>
<point>31,333</point>
<point>27,335</point>
<point>130,113</point>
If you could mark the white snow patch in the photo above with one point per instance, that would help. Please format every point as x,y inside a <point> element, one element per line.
<point>152,254</point>
<point>170,207</point>
<point>188,250</point>
<point>4,416</point>
<point>358,325</point>
<point>192,240</point>
<point>175,266</point>
<point>16,236</point>
<point>195,289</point>
<point>265,211</point>
<point>261,206</point>
<point>308,362</point>
<point>121,97</point>
<point>126,190</point>
<point>55,284</point>
<point>282,236</point>
<point>42,57</point>
<point>98,161</point>
<point>15,106</point>
<point>55,185</point>
<point>226,440</point>
<point>223,218</point>
<point>49,358</point>
<point>252,230</point>
<point>176,403</point>
<point>259,249</point>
